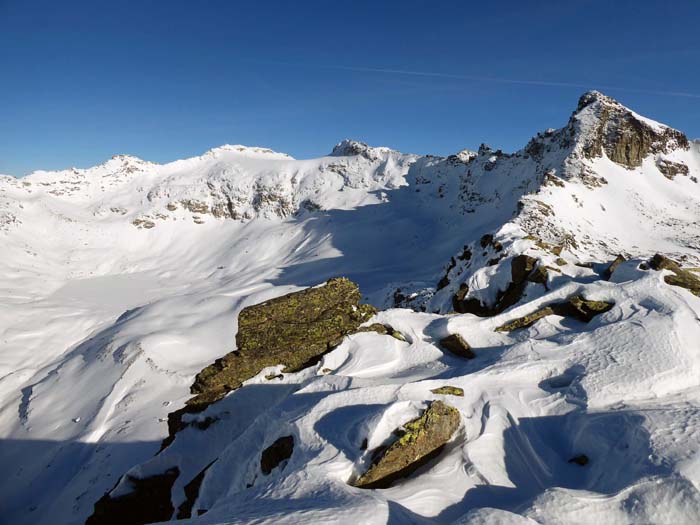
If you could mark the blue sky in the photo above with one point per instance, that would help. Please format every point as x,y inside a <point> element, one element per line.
<point>83,80</point>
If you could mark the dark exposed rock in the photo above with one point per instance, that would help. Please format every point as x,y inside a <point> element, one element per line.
<point>540,275</point>
<point>522,267</point>
<point>486,240</point>
<point>466,254</point>
<point>484,149</point>
<point>581,460</point>
<point>448,391</point>
<point>607,274</point>
<point>276,453</point>
<point>191,494</point>
<point>444,281</point>
<point>294,330</point>
<point>421,440</point>
<point>576,307</point>
<point>681,277</point>
<point>455,344</point>
<point>149,502</point>
<point>670,169</point>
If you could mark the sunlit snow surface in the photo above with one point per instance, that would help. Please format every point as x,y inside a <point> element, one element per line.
<point>103,326</point>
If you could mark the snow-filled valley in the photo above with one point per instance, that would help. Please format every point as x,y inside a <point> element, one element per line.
<point>120,283</point>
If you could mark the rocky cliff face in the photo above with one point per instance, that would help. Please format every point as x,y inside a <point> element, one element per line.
<point>625,137</point>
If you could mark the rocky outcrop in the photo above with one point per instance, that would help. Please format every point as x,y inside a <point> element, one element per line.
<point>148,502</point>
<point>456,345</point>
<point>420,440</point>
<point>679,276</point>
<point>348,148</point>
<point>276,453</point>
<point>670,169</point>
<point>623,136</point>
<point>191,495</point>
<point>607,274</point>
<point>294,330</point>
<point>576,307</point>
<point>523,270</point>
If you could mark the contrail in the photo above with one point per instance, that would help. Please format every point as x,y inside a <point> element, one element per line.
<point>478,78</point>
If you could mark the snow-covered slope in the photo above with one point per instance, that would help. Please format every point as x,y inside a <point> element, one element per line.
<point>121,282</point>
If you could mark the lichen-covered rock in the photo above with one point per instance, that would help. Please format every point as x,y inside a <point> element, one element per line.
<point>448,390</point>
<point>581,460</point>
<point>149,502</point>
<point>681,277</point>
<point>294,330</point>
<point>383,329</point>
<point>455,344</point>
<point>525,321</point>
<point>576,307</point>
<point>420,440</point>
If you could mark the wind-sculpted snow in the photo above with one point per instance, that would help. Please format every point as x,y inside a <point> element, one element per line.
<point>120,283</point>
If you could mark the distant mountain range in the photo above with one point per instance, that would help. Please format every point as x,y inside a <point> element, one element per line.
<point>530,354</point>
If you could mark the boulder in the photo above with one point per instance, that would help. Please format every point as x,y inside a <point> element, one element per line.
<point>455,344</point>
<point>294,330</point>
<point>448,391</point>
<point>276,453</point>
<point>680,277</point>
<point>420,440</point>
<point>576,307</point>
<point>607,274</point>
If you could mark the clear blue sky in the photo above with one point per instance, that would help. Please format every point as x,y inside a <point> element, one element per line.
<point>83,80</point>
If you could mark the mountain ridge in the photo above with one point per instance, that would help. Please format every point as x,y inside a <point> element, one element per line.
<point>124,281</point>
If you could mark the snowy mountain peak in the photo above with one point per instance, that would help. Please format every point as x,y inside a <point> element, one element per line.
<point>351,148</point>
<point>247,151</point>
<point>592,96</point>
<point>603,125</point>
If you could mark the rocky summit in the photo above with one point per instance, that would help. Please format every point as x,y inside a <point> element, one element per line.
<point>368,337</point>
